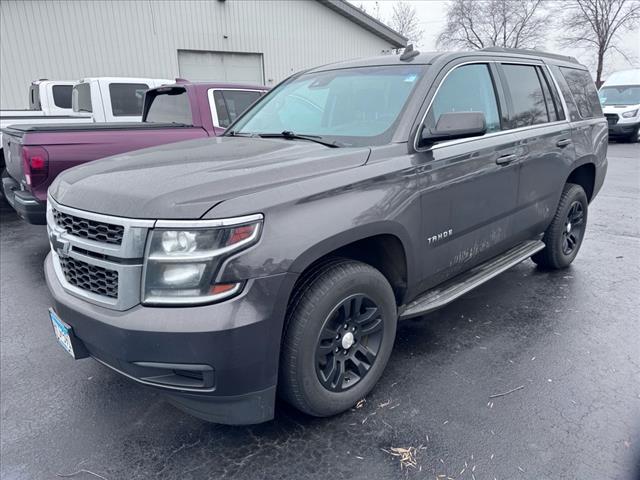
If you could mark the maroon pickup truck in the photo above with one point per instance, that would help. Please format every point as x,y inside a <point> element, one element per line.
<point>36,154</point>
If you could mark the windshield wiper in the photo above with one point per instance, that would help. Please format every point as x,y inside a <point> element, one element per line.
<point>289,135</point>
<point>233,133</point>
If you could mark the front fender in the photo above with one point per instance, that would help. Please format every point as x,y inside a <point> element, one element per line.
<point>313,220</point>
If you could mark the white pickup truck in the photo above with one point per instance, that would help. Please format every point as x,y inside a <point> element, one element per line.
<point>96,99</point>
<point>113,99</point>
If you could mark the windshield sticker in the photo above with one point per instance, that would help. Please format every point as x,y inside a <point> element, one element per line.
<point>411,78</point>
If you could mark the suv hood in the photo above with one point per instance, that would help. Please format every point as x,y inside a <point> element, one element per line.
<point>184,180</point>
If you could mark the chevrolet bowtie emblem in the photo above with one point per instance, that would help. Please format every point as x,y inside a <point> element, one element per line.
<point>58,245</point>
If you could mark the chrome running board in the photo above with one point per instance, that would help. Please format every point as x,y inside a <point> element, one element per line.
<point>463,283</point>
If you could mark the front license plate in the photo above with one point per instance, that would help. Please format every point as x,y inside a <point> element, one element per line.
<point>62,331</point>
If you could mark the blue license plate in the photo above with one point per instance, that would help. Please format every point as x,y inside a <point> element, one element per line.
<point>62,332</point>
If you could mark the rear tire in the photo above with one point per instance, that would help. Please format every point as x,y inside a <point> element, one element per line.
<point>564,236</point>
<point>339,333</point>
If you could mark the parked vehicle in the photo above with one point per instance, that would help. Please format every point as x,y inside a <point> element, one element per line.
<point>113,99</point>
<point>49,101</point>
<point>280,256</point>
<point>38,153</point>
<point>620,98</point>
<point>101,99</point>
<point>50,97</point>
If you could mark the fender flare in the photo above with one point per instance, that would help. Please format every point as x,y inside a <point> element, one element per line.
<point>360,232</point>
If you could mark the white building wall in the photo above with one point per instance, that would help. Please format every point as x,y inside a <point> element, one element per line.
<point>71,39</point>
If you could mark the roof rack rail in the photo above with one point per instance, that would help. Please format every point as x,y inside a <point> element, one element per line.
<point>528,51</point>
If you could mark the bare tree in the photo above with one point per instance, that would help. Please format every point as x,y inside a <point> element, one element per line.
<point>405,21</point>
<point>595,24</point>
<point>479,24</point>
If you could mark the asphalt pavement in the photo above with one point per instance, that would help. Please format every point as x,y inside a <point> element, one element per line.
<point>566,345</point>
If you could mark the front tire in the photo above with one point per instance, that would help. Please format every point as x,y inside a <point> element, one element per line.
<point>339,333</point>
<point>564,236</point>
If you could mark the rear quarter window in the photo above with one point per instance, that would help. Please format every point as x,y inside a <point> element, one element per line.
<point>62,95</point>
<point>583,91</point>
<point>127,98</point>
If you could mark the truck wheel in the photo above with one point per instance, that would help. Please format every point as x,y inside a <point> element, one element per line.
<point>564,236</point>
<point>339,333</point>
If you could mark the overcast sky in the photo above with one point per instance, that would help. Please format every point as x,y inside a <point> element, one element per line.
<point>432,13</point>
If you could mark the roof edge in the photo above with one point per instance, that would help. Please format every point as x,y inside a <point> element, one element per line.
<point>366,21</point>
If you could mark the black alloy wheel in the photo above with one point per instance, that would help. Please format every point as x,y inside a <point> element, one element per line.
<point>564,235</point>
<point>349,343</point>
<point>573,228</point>
<point>338,336</point>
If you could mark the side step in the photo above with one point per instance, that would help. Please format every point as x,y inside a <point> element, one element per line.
<point>463,283</point>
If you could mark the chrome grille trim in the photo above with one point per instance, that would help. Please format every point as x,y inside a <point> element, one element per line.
<point>126,259</point>
<point>89,229</point>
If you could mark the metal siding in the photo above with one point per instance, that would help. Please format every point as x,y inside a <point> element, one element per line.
<point>68,40</point>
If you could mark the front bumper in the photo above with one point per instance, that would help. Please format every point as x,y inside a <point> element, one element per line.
<point>28,207</point>
<point>623,129</point>
<point>217,362</point>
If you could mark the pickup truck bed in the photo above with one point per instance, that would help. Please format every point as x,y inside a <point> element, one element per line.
<point>36,154</point>
<point>71,145</point>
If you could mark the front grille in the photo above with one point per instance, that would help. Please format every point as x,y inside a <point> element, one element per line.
<point>612,118</point>
<point>89,229</point>
<point>92,278</point>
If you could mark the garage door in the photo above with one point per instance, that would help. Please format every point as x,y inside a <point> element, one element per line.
<point>199,66</point>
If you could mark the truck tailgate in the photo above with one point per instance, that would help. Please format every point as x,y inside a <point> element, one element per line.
<point>12,156</point>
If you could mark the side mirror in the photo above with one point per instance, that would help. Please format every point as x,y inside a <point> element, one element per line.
<point>452,125</point>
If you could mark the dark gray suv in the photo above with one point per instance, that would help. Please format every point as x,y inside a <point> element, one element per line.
<point>279,258</point>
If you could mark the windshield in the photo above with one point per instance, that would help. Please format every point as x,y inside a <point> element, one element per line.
<point>620,95</point>
<point>351,107</point>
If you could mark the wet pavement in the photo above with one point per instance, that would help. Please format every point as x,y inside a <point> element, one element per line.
<point>570,339</point>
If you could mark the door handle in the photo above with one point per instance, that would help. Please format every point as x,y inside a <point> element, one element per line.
<point>506,159</point>
<point>563,143</point>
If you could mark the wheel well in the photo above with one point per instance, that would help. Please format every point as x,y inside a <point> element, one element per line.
<point>384,252</point>
<point>585,176</point>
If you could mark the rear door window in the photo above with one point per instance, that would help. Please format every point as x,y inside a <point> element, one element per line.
<point>468,88</point>
<point>62,95</point>
<point>230,104</point>
<point>554,109</point>
<point>528,103</point>
<point>127,98</point>
<point>584,92</point>
<point>171,106</point>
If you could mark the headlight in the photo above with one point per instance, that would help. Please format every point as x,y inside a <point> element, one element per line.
<point>630,114</point>
<point>183,259</point>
